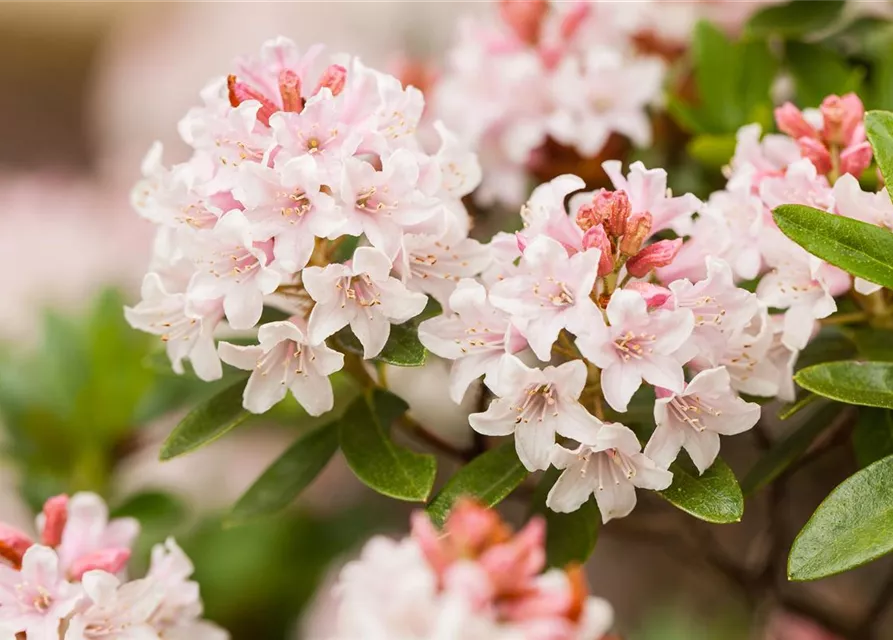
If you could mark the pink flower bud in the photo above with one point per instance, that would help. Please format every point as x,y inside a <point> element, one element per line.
<point>574,18</point>
<point>521,240</point>
<point>817,153</point>
<point>524,17</point>
<point>13,545</point>
<point>290,91</point>
<point>587,216</point>
<point>855,159</point>
<point>55,516</point>
<point>790,120</point>
<point>108,560</point>
<point>473,528</point>
<point>612,208</point>
<point>597,238</point>
<point>655,295</point>
<point>659,254</point>
<point>430,541</point>
<point>841,118</point>
<point>239,92</point>
<point>638,228</point>
<point>333,78</point>
<point>517,560</point>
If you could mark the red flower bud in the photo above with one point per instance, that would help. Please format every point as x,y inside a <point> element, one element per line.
<point>108,560</point>
<point>333,78</point>
<point>659,254</point>
<point>290,91</point>
<point>638,228</point>
<point>855,159</point>
<point>790,120</point>
<point>239,92</point>
<point>596,238</point>
<point>55,517</point>
<point>524,17</point>
<point>842,116</point>
<point>612,208</point>
<point>13,545</point>
<point>817,153</point>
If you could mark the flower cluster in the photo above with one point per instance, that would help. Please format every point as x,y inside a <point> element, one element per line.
<point>476,580</point>
<point>71,584</point>
<point>565,71</point>
<point>601,300</point>
<point>296,162</point>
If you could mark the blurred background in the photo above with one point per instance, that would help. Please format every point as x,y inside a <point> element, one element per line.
<point>86,401</point>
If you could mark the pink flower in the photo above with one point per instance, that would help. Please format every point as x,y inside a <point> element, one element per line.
<point>284,361</point>
<point>609,466</point>
<point>745,216</point>
<point>361,294</point>
<point>760,158</point>
<point>548,293</point>
<point>476,336</point>
<point>115,611</point>
<point>695,418</point>
<point>544,214</point>
<point>800,184</point>
<point>637,345</point>
<point>534,405</point>
<point>36,599</point>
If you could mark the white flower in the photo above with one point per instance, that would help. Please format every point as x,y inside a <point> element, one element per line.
<point>695,418</point>
<point>116,611</point>
<point>609,466</point>
<point>534,404</point>
<point>361,294</point>
<point>285,361</point>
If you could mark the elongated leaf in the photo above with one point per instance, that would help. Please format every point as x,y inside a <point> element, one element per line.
<point>289,475</point>
<point>489,478</point>
<point>794,18</point>
<point>383,465</point>
<point>873,344</point>
<point>403,348</point>
<point>713,497</point>
<point>712,150</point>
<point>717,69</point>
<point>819,71</point>
<point>864,383</point>
<point>879,129</point>
<point>873,436</point>
<point>787,450</point>
<point>152,509</point>
<point>790,410</point>
<point>856,247</point>
<point>853,526</point>
<point>207,422</point>
<point>570,537</point>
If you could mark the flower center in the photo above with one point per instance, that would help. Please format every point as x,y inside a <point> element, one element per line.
<point>298,205</point>
<point>555,293</point>
<point>690,410</point>
<point>634,345</point>
<point>539,400</point>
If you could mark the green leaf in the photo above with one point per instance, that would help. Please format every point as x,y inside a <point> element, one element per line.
<point>403,348</point>
<point>390,469</point>
<point>872,343</point>
<point>795,18</point>
<point>879,129</point>
<point>717,70</point>
<point>785,451</point>
<point>857,247</point>
<point>758,73</point>
<point>206,422</point>
<point>853,526</point>
<point>153,509</point>
<point>790,410</point>
<point>570,537</point>
<point>712,150</point>
<point>864,383</point>
<point>489,478</point>
<point>289,475</point>
<point>818,72</point>
<point>713,497</point>
<point>873,435</point>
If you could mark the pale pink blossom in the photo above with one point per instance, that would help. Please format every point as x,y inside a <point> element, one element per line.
<point>762,156</point>
<point>544,214</point>
<point>285,361</point>
<point>800,184</point>
<point>548,293</point>
<point>361,294</point>
<point>695,418</point>
<point>534,405</point>
<point>637,345</point>
<point>115,611</point>
<point>745,217</point>
<point>708,236</point>
<point>476,336</point>
<point>610,466</point>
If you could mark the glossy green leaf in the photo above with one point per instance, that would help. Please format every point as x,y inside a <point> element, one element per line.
<point>289,475</point>
<point>819,71</point>
<point>879,129</point>
<point>857,247</point>
<point>873,435</point>
<point>383,465</point>
<point>206,422</point>
<point>712,150</point>
<point>489,478</point>
<point>788,449</point>
<point>863,383</point>
<point>794,18</point>
<point>717,69</point>
<point>853,526</point>
<point>712,497</point>
<point>570,537</point>
<point>403,348</point>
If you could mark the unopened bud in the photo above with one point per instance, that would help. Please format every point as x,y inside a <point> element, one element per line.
<point>524,17</point>
<point>817,153</point>
<point>596,238</point>
<point>656,255</point>
<point>108,560</point>
<point>855,159</point>
<point>333,78</point>
<point>13,545</point>
<point>613,210</point>
<point>587,217</point>
<point>55,516</point>
<point>790,120</point>
<point>841,118</point>
<point>239,92</point>
<point>574,18</point>
<point>654,294</point>
<point>290,91</point>
<point>638,228</point>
